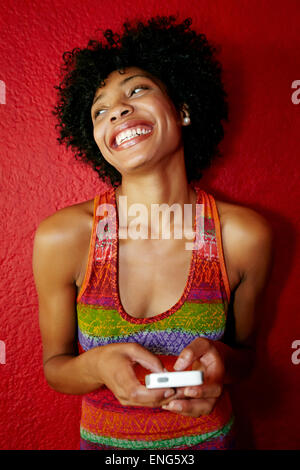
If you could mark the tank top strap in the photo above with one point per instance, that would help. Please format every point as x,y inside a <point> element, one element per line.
<point>104,239</point>
<point>209,231</point>
<point>100,247</point>
<point>105,227</point>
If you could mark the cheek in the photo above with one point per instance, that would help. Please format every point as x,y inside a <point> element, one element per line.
<point>99,137</point>
<point>168,115</point>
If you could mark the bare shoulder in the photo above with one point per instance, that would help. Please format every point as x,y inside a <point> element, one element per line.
<point>67,224</point>
<point>62,240</point>
<point>243,221</point>
<point>246,234</point>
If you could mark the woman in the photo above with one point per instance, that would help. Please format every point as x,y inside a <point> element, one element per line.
<point>146,111</point>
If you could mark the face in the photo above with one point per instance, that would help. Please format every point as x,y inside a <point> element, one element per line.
<point>136,125</point>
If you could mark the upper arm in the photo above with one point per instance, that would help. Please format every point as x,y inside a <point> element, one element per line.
<point>54,269</point>
<point>252,257</point>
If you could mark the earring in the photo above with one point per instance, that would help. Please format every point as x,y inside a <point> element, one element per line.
<point>186,121</point>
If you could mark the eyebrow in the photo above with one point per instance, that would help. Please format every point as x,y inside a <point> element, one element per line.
<point>123,82</point>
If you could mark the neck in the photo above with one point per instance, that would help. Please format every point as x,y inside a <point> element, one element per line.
<point>164,186</point>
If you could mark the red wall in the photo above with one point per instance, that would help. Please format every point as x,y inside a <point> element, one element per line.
<point>260,52</point>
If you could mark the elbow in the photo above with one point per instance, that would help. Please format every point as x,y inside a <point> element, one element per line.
<point>51,379</point>
<point>53,376</point>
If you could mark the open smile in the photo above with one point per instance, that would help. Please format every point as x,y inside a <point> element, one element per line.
<point>132,140</point>
<point>130,135</point>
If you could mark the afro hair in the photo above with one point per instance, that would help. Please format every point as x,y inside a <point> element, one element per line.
<point>174,53</point>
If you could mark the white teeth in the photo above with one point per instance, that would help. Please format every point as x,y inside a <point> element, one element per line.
<point>130,133</point>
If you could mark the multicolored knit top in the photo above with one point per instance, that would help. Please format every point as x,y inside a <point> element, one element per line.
<point>200,312</point>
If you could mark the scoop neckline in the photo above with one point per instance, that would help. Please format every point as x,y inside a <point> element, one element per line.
<point>115,273</point>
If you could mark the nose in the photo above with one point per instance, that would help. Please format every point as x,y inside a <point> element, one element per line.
<point>120,111</point>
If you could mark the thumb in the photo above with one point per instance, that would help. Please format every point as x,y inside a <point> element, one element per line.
<point>145,358</point>
<point>195,350</point>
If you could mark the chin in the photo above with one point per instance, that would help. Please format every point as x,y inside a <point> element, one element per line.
<point>133,163</point>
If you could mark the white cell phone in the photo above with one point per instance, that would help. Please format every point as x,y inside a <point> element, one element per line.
<point>174,379</point>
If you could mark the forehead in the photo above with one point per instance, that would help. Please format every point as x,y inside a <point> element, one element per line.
<point>119,75</point>
<point>117,78</point>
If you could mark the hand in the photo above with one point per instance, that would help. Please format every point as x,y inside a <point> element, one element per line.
<point>200,354</point>
<point>116,370</point>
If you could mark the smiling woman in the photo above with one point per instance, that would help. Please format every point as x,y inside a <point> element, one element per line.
<point>146,110</point>
<point>148,118</point>
<point>175,58</point>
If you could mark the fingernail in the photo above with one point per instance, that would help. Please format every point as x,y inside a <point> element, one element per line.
<point>190,392</point>
<point>179,364</point>
<point>169,393</point>
<point>176,406</point>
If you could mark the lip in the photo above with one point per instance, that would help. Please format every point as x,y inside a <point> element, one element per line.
<point>127,125</point>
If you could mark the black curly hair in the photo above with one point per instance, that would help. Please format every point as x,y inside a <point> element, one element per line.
<point>182,59</point>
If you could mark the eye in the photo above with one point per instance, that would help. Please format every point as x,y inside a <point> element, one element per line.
<point>99,112</point>
<point>139,87</point>
<point>133,91</point>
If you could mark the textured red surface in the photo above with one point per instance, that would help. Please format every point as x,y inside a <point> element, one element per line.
<point>260,52</point>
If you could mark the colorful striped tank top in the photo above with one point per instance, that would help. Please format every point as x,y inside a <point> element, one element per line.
<point>200,312</point>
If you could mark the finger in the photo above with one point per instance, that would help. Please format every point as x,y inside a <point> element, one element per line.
<point>211,364</point>
<point>145,358</point>
<point>214,369</point>
<point>202,391</point>
<point>195,350</point>
<point>125,376</point>
<point>205,391</point>
<point>129,384</point>
<point>141,395</point>
<point>194,407</point>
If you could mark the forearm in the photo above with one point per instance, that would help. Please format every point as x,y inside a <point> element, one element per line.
<point>238,362</point>
<point>73,374</point>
